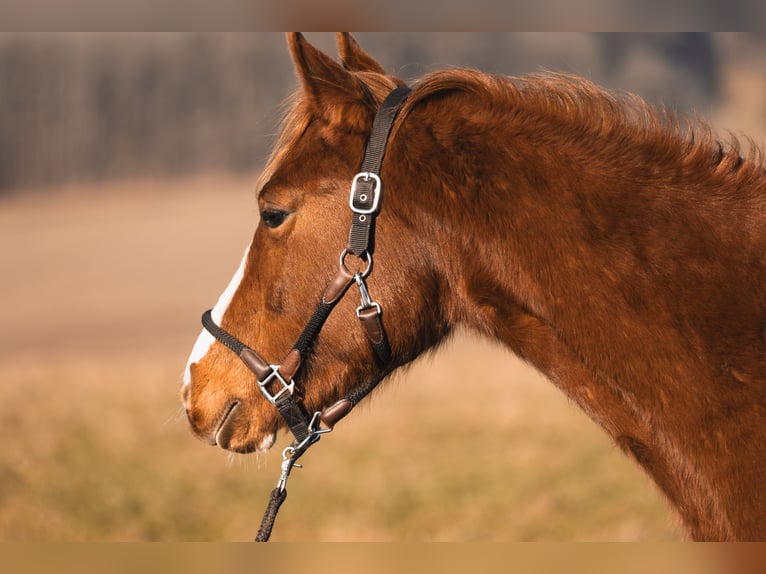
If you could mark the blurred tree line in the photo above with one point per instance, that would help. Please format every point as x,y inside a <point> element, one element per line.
<point>84,107</point>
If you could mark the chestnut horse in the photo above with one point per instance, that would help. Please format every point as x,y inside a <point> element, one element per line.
<point>619,251</point>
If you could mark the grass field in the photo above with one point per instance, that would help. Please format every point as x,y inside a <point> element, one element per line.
<point>102,288</point>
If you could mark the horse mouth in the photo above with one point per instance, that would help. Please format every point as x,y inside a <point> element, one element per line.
<point>224,435</point>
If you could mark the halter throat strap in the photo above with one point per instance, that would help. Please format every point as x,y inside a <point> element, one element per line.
<point>276,382</point>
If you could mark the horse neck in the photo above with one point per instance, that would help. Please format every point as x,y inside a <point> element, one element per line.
<point>574,260</point>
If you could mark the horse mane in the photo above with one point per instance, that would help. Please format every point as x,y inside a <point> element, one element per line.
<point>589,112</point>
<point>603,117</point>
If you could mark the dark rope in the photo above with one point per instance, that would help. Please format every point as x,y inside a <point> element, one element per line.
<point>362,391</point>
<point>315,324</point>
<point>276,499</point>
<point>382,350</point>
<point>224,337</point>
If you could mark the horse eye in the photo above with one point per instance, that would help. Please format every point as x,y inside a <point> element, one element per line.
<point>274,217</point>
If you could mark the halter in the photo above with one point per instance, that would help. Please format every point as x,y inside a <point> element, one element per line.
<point>277,382</point>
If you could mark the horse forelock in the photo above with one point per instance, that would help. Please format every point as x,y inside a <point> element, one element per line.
<point>298,113</point>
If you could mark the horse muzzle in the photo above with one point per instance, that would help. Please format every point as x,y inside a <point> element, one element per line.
<point>228,426</point>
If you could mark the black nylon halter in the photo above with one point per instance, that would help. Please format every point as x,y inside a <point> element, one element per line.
<point>364,202</point>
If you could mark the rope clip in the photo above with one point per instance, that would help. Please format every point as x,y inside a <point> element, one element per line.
<point>288,462</point>
<point>366,300</point>
<point>293,452</point>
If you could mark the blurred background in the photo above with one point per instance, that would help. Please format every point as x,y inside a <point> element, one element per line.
<point>127,172</point>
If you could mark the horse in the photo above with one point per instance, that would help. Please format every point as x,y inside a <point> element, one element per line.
<point>618,248</point>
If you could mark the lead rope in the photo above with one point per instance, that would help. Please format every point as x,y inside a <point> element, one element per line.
<point>276,499</point>
<point>290,456</point>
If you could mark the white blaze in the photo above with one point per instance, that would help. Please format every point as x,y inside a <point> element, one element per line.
<point>205,339</point>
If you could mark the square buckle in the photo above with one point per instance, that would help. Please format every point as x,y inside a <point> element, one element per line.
<point>365,176</point>
<point>286,387</point>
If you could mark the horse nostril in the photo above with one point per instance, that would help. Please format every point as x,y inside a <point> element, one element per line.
<point>226,427</point>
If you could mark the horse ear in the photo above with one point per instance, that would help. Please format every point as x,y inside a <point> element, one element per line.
<point>324,80</point>
<point>353,57</point>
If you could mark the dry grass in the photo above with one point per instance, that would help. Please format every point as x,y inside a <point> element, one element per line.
<point>102,289</point>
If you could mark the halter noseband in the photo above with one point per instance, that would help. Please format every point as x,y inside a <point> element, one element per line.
<point>276,382</point>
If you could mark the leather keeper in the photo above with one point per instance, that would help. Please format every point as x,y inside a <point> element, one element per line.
<point>255,363</point>
<point>290,365</point>
<point>372,324</point>
<point>338,286</point>
<point>335,412</point>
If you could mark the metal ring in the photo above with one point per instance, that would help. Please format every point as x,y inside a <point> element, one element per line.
<point>365,256</point>
<point>287,452</point>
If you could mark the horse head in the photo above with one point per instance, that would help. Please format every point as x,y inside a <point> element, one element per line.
<point>296,251</point>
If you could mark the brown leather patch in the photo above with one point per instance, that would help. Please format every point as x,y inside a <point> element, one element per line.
<point>290,365</point>
<point>255,363</point>
<point>338,285</point>
<point>335,412</point>
<point>372,324</point>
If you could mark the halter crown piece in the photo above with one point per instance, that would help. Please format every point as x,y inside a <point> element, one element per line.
<point>276,382</point>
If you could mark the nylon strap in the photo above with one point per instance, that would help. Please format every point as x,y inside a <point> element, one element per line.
<point>367,191</point>
<point>294,416</point>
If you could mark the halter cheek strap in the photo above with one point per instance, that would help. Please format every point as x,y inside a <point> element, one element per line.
<point>276,382</point>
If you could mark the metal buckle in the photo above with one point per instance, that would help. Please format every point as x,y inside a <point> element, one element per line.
<point>286,387</point>
<point>366,176</point>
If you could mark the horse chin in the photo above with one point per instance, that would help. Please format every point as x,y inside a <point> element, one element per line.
<point>267,442</point>
<point>226,435</point>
